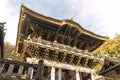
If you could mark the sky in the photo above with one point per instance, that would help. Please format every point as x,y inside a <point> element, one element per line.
<point>99,16</point>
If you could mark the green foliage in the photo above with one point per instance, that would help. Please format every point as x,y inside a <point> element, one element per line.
<point>111,48</point>
<point>10,52</point>
<point>8,49</point>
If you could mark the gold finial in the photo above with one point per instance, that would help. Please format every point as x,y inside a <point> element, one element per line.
<point>23,4</point>
<point>70,19</point>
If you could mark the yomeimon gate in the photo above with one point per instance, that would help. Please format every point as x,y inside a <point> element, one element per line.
<point>63,46</point>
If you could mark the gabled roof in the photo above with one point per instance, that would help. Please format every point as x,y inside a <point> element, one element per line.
<point>110,65</point>
<point>66,28</point>
<point>115,67</point>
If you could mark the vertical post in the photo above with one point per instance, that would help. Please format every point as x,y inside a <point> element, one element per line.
<point>53,73</point>
<point>0,49</point>
<point>30,73</point>
<point>92,75</point>
<point>59,74</point>
<point>80,76</point>
<point>20,70</point>
<point>2,67</point>
<point>2,40</point>
<point>40,70</point>
<point>10,70</point>
<point>77,75</point>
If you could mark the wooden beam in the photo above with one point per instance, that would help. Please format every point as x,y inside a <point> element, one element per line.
<point>18,63</point>
<point>66,66</point>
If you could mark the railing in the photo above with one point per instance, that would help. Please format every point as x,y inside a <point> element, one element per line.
<point>15,70</point>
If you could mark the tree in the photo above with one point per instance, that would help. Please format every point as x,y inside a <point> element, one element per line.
<point>9,48</point>
<point>10,52</point>
<point>111,48</point>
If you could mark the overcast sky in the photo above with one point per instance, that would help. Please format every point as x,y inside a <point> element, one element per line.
<point>99,16</point>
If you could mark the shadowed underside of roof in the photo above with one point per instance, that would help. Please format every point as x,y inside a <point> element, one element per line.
<point>65,31</point>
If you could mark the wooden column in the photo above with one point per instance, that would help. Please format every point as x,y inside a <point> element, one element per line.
<point>2,46</point>
<point>59,74</point>
<point>53,73</point>
<point>77,75</point>
<point>2,40</point>
<point>40,70</point>
<point>92,75</point>
<point>0,51</point>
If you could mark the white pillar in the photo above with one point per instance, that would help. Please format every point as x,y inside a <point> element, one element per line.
<point>30,73</point>
<point>77,74</point>
<point>92,75</point>
<point>59,74</point>
<point>53,73</point>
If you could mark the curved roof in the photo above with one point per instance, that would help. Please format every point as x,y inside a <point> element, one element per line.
<point>66,28</point>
